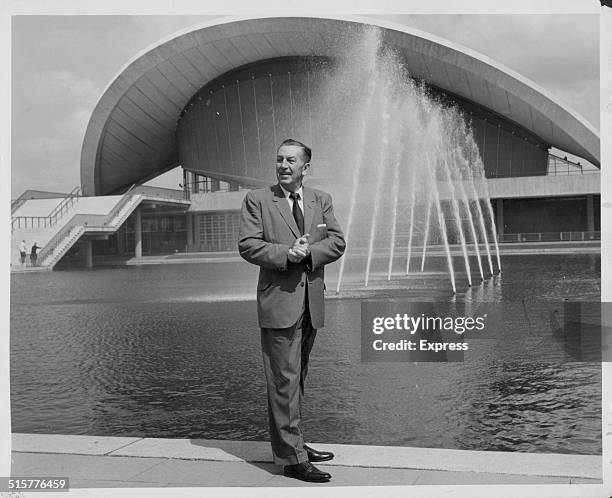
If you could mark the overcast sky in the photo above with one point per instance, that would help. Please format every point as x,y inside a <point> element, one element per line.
<point>62,64</point>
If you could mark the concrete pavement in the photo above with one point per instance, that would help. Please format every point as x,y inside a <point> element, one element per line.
<point>505,249</point>
<point>126,462</point>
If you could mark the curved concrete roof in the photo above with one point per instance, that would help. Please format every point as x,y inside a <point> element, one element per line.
<point>131,133</point>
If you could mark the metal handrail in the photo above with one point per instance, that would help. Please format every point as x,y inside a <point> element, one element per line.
<point>563,159</point>
<point>76,220</point>
<point>16,204</point>
<point>547,173</point>
<point>577,235</point>
<point>52,217</point>
<point>188,187</point>
<point>63,205</point>
<point>160,192</point>
<point>38,221</point>
<point>119,206</point>
<point>84,219</point>
<point>93,221</point>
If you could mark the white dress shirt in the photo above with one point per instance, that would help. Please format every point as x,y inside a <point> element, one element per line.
<point>290,200</point>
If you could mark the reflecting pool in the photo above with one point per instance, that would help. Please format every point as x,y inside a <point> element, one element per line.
<point>173,351</point>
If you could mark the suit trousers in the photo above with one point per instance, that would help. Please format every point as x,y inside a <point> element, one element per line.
<point>285,358</point>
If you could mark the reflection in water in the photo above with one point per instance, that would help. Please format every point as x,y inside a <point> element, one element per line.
<point>149,352</point>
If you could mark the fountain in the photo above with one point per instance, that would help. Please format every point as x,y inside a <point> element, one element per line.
<point>408,173</point>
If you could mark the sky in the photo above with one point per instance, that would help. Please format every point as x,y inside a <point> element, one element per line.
<point>62,64</point>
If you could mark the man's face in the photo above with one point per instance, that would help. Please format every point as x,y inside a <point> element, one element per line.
<point>291,166</point>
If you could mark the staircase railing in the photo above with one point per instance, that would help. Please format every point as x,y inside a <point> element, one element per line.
<point>52,218</point>
<point>161,192</point>
<point>86,220</point>
<point>549,236</point>
<point>16,204</point>
<point>30,222</point>
<point>77,220</point>
<point>119,206</point>
<point>65,205</point>
<point>99,221</point>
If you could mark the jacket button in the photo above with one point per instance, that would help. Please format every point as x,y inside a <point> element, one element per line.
<point>302,284</point>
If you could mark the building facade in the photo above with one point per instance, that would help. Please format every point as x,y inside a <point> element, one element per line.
<point>217,99</point>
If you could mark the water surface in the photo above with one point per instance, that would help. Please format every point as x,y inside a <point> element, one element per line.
<point>173,351</point>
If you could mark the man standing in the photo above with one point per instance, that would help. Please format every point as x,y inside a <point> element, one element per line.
<point>291,233</point>
<point>23,248</point>
<point>33,253</point>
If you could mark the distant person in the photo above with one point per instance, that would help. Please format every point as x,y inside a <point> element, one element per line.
<point>23,249</point>
<point>33,253</point>
<point>291,233</point>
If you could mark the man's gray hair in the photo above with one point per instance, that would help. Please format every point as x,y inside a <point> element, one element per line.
<point>305,148</point>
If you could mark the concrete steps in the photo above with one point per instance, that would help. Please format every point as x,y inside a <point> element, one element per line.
<point>42,235</point>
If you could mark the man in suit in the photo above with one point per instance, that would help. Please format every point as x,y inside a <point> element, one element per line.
<point>291,233</point>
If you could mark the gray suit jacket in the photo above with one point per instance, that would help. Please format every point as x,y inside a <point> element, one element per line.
<point>267,231</point>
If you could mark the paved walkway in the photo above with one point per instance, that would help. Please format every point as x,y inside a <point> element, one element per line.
<point>111,462</point>
<point>586,247</point>
<point>524,248</point>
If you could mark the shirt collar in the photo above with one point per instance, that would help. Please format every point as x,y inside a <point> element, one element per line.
<point>298,191</point>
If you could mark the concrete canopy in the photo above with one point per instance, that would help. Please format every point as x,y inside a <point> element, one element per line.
<point>130,136</point>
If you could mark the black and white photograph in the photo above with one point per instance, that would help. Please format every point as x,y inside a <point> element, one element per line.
<point>322,252</point>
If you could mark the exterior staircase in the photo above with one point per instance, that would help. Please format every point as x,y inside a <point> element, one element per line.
<point>88,217</point>
<point>36,220</point>
<point>61,243</point>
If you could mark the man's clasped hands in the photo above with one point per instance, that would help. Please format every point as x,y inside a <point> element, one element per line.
<point>300,249</point>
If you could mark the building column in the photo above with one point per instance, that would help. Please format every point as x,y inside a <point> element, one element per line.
<point>497,151</point>
<point>196,231</point>
<point>195,186</point>
<point>499,215</point>
<point>189,224</point>
<point>88,253</point>
<point>121,240</point>
<point>138,233</point>
<point>590,214</point>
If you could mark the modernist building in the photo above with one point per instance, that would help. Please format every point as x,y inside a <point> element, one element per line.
<point>217,99</point>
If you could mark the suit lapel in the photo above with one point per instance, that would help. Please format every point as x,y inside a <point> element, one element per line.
<point>283,207</point>
<point>309,201</point>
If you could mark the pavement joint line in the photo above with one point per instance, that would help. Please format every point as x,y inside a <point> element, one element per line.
<point>135,476</point>
<point>158,457</point>
<point>124,446</point>
<point>57,453</point>
<point>190,459</point>
<point>428,469</point>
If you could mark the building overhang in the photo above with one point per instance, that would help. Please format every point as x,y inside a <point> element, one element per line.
<point>520,187</point>
<point>131,133</point>
<point>544,186</point>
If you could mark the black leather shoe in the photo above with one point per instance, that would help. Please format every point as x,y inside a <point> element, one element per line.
<point>306,471</point>
<point>318,456</point>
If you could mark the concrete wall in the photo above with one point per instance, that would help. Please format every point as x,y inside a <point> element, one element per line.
<point>544,186</point>
<point>529,205</point>
<point>499,188</point>
<point>216,201</point>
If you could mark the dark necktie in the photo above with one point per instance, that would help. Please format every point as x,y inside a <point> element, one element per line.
<point>297,212</point>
